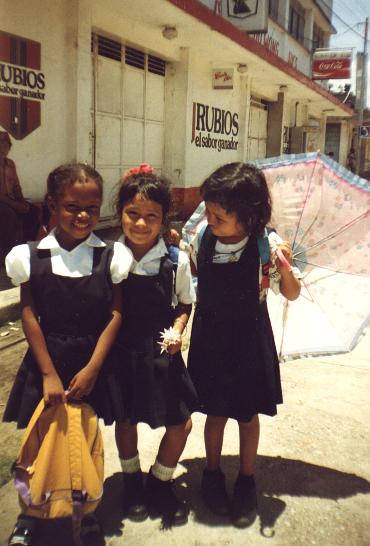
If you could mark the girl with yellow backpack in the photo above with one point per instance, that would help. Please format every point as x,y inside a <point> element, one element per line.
<point>70,302</point>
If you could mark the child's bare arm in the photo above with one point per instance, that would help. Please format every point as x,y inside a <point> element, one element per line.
<point>52,386</point>
<point>290,286</point>
<point>182,314</point>
<point>83,382</point>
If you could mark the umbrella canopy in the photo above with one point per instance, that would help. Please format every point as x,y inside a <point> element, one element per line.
<point>323,210</point>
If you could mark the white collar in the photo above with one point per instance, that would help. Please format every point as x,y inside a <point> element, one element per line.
<point>157,251</point>
<point>234,247</point>
<point>50,241</point>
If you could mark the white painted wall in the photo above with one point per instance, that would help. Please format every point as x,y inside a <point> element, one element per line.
<point>64,29</point>
<point>54,142</point>
<point>200,162</point>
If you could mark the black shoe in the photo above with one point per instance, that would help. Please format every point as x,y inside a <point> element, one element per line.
<point>23,532</point>
<point>244,502</point>
<point>134,496</point>
<point>91,531</point>
<point>162,502</point>
<point>214,491</point>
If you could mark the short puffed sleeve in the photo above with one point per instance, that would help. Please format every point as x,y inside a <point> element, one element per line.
<point>121,263</point>
<point>17,264</point>
<point>184,284</point>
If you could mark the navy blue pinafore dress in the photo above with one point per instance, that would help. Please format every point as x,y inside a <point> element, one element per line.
<point>156,387</point>
<point>232,358</point>
<point>72,311</point>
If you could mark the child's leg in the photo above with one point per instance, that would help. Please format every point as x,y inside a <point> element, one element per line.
<point>162,500</point>
<point>213,439</point>
<point>126,440</point>
<point>213,479</point>
<point>134,495</point>
<point>244,501</point>
<point>173,443</point>
<point>249,434</point>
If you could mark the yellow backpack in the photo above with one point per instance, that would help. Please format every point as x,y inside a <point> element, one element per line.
<point>59,470</point>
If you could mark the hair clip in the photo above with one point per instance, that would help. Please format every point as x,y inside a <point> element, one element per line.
<point>144,168</point>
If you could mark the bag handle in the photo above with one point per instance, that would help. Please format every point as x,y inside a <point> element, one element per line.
<point>75,465</point>
<point>35,416</point>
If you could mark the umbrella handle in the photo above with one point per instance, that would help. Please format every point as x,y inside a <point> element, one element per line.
<point>283,260</point>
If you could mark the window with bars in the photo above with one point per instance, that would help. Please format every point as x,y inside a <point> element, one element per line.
<point>133,57</point>
<point>107,47</point>
<point>296,21</point>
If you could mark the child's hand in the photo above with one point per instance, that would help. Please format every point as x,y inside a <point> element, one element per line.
<point>53,389</point>
<point>284,261</point>
<point>171,237</point>
<point>170,341</point>
<point>174,347</point>
<point>82,383</point>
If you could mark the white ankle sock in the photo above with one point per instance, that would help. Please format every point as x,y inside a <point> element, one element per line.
<point>130,466</point>
<point>161,472</point>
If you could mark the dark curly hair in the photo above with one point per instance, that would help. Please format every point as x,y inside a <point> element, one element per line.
<point>69,174</point>
<point>154,187</point>
<point>240,188</point>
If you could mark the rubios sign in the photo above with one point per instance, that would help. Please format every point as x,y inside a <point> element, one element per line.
<point>214,128</point>
<point>22,85</point>
<point>331,64</point>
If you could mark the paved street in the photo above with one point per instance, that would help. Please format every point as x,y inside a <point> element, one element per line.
<point>313,470</point>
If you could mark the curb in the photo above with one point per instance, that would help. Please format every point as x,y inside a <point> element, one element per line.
<point>9,305</point>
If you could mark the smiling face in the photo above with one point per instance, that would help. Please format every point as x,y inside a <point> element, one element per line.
<point>76,212</point>
<point>224,225</point>
<point>142,220</point>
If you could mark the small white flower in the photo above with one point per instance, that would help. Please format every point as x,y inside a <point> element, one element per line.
<point>169,336</point>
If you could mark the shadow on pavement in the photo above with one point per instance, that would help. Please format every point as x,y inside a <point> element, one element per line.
<point>276,476</point>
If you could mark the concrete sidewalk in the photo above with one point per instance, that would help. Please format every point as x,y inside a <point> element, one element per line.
<point>9,305</point>
<point>313,471</point>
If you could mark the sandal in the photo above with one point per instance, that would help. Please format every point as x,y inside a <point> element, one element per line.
<point>22,532</point>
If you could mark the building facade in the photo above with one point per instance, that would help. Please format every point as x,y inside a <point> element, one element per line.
<point>169,82</point>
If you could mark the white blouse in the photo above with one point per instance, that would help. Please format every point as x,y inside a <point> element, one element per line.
<point>77,262</point>
<point>149,265</point>
<point>231,253</point>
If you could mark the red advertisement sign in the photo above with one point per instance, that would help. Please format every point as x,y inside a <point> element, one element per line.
<point>331,64</point>
<point>22,85</point>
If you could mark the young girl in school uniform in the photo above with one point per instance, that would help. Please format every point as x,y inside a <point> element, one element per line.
<point>232,358</point>
<point>70,302</point>
<point>157,296</point>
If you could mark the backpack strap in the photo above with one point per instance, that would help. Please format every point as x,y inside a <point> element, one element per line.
<point>173,254</point>
<point>264,252</point>
<point>264,247</point>
<point>33,421</point>
<point>20,485</point>
<point>75,464</point>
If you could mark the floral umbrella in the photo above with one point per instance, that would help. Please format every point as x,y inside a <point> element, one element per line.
<point>323,210</point>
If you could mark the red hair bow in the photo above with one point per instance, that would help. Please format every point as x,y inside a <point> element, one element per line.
<point>144,168</point>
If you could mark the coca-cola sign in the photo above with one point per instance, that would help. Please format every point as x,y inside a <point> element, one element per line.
<point>331,64</point>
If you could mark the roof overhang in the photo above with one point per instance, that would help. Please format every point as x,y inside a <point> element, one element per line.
<point>268,71</point>
<point>213,37</point>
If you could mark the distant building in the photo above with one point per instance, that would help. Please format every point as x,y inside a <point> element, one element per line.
<point>171,82</point>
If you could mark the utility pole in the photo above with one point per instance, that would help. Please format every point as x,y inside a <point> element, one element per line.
<point>362,98</point>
